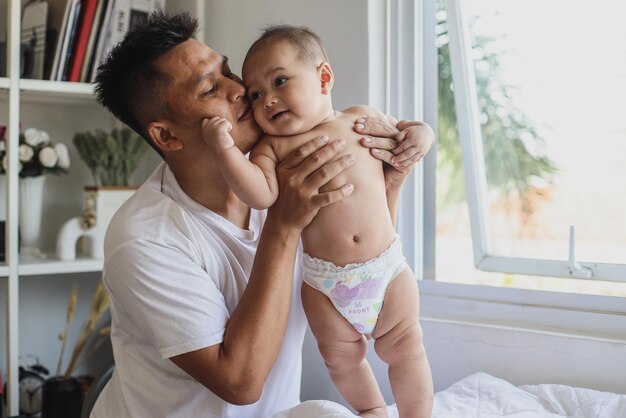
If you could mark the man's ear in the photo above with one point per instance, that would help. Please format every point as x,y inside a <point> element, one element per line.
<point>163,137</point>
<point>326,77</point>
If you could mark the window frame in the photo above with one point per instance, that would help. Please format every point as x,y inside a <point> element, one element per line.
<point>470,135</point>
<point>562,313</point>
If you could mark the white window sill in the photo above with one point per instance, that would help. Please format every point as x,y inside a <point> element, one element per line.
<point>583,316</point>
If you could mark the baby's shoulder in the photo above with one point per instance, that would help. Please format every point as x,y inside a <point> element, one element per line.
<point>362,111</point>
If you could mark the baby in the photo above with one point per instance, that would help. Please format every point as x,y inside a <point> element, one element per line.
<point>357,281</point>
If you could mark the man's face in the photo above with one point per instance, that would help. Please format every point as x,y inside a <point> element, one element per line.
<point>203,86</point>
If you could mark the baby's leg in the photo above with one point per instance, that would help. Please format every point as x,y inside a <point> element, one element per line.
<point>399,344</point>
<point>343,350</point>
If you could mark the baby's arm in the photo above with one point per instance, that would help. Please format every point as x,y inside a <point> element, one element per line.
<point>253,181</point>
<point>401,144</point>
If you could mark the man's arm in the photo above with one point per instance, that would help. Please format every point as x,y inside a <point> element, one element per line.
<point>236,369</point>
<point>254,184</point>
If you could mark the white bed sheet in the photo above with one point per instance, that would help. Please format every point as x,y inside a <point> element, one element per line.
<point>484,396</point>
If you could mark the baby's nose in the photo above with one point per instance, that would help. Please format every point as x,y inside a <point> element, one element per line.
<point>269,102</point>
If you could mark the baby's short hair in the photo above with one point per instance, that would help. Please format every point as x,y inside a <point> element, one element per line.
<point>307,42</point>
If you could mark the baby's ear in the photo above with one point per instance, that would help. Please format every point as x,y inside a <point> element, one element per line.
<point>326,77</point>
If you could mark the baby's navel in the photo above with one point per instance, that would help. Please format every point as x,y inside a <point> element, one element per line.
<point>356,239</point>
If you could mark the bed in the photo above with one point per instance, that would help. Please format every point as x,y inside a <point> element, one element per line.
<point>484,396</point>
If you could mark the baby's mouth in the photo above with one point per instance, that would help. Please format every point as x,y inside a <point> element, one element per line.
<point>279,114</point>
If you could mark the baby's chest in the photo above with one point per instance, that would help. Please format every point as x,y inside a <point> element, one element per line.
<point>285,146</point>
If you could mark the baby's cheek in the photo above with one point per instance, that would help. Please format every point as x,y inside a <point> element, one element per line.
<point>261,121</point>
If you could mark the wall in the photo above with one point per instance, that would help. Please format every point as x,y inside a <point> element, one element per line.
<point>456,350</point>
<point>232,26</point>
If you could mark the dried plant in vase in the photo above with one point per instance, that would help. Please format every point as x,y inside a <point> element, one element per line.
<point>99,306</point>
<point>112,157</point>
<point>71,310</point>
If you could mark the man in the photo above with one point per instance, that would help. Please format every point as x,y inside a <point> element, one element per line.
<point>206,314</point>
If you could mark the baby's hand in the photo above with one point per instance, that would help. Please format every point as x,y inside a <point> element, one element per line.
<point>402,144</point>
<point>216,133</point>
<point>414,141</point>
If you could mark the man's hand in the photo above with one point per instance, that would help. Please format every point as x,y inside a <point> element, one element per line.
<point>400,146</point>
<point>300,176</point>
<point>216,133</point>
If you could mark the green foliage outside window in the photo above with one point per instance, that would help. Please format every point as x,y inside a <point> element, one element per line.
<point>514,159</point>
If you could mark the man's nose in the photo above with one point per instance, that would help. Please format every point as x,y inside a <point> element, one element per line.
<point>236,91</point>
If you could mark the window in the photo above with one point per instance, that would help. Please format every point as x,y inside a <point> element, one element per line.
<point>540,92</point>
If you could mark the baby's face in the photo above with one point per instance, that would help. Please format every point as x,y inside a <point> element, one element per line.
<point>285,91</point>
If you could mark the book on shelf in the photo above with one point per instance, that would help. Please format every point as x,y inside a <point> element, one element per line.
<point>3,40</point>
<point>93,37</point>
<point>83,30</point>
<point>33,39</point>
<point>66,60</point>
<point>88,32</point>
<point>61,30</point>
<point>124,15</point>
<point>103,34</point>
<point>64,41</point>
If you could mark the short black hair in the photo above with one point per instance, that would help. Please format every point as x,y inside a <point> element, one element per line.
<point>128,83</point>
<point>307,42</point>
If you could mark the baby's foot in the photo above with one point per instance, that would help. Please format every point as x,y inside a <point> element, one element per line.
<point>380,412</point>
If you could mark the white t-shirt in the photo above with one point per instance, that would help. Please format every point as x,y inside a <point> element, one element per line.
<point>175,272</point>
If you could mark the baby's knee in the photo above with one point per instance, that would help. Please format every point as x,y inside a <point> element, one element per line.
<point>401,343</point>
<point>344,353</point>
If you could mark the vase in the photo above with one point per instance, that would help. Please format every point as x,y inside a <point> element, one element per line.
<point>100,204</point>
<point>61,398</point>
<point>31,203</point>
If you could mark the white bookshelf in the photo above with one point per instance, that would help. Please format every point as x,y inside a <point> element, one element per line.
<point>50,265</point>
<point>20,97</point>
<point>45,91</point>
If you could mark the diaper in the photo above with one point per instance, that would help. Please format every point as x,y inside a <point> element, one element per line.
<point>356,290</point>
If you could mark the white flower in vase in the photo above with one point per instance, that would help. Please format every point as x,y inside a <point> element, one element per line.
<point>37,154</point>
<point>5,164</point>
<point>48,157</point>
<point>26,153</point>
<point>34,137</point>
<point>63,154</point>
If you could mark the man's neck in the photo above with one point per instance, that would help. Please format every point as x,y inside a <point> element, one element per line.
<point>211,191</point>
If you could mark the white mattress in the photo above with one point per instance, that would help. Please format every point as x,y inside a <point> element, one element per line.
<point>483,396</point>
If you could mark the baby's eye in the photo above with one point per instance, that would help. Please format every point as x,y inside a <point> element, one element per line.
<point>280,81</point>
<point>210,91</point>
<point>254,95</point>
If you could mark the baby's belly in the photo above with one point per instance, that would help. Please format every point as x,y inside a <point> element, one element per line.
<point>355,230</point>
